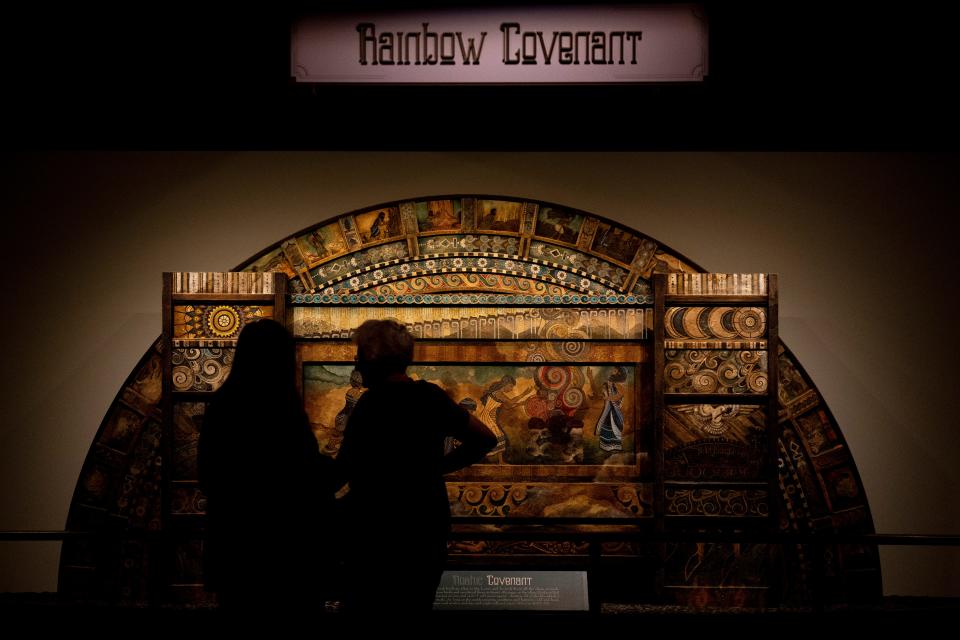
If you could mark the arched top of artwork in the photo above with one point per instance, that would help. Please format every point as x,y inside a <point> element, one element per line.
<point>498,243</point>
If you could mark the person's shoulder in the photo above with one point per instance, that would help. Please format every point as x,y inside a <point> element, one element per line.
<point>426,387</point>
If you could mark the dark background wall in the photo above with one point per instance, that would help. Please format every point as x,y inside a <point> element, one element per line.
<point>126,133</point>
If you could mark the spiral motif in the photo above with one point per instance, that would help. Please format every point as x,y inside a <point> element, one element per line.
<point>573,349</point>
<point>573,397</point>
<point>472,495</point>
<point>629,497</point>
<point>497,494</point>
<point>750,357</point>
<point>704,382</point>
<point>223,321</point>
<point>675,372</point>
<point>520,285</point>
<point>736,505</point>
<point>680,503</point>
<point>728,372</point>
<point>557,331</point>
<point>182,378</point>
<point>212,369</point>
<point>709,507</point>
<point>554,377</point>
<point>757,382</point>
<point>518,493</point>
<point>536,357</point>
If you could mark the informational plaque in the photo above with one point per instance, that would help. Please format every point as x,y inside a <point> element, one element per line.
<point>512,591</point>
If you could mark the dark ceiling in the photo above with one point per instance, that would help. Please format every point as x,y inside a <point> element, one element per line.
<point>783,75</point>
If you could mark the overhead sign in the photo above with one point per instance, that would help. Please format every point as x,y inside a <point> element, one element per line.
<point>563,45</point>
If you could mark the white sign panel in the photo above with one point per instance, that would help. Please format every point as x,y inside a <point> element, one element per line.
<point>512,591</point>
<point>564,45</point>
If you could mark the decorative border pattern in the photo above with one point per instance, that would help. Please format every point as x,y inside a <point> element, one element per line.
<point>538,500</point>
<point>717,503</point>
<point>472,323</point>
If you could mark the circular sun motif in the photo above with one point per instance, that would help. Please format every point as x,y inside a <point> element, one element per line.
<point>223,322</point>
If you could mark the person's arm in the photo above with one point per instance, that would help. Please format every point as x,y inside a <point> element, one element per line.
<point>476,440</point>
<point>346,456</point>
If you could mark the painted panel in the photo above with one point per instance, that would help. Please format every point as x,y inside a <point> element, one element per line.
<point>438,216</point>
<point>503,245</point>
<point>792,383</point>
<point>378,225</point>
<point>842,488</point>
<point>242,282</point>
<point>714,442</point>
<point>339,268</point>
<point>817,432</point>
<point>187,501</point>
<point>200,369</point>
<point>695,371</point>
<point>322,243</point>
<point>122,429</point>
<point>722,575</point>
<point>482,283</point>
<point>139,495</point>
<point>187,422</point>
<point>435,323</point>
<point>716,503</point>
<point>215,322</point>
<point>582,263</point>
<point>273,261</point>
<point>551,500</point>
<point>721,323</point>
<point>499,215</point>
<point>442,351</point>
<point>616,243</point>
<point>144,392</point>
<point>717,284</point>
<point>542,415</point>
<point>455,269</point>
<point>558,225</point>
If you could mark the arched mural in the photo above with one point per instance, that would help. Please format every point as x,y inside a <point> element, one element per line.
<point>545,322</point>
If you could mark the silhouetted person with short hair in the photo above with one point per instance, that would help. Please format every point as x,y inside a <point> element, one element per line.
<point>398,513</point>
<point>269,491</point>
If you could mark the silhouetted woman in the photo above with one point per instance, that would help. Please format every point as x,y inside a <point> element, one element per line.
<point>269,491</point>
<point>398,514</point>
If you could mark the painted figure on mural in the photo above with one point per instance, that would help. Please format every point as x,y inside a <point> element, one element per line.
<point>380,225</point>
<point>611,424</point>
<point>558,224</point>
<point>616,243</point>
<point>441,216</point>
<point>350,401</point>
<point>494,398</point>
<point>316,239</point>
